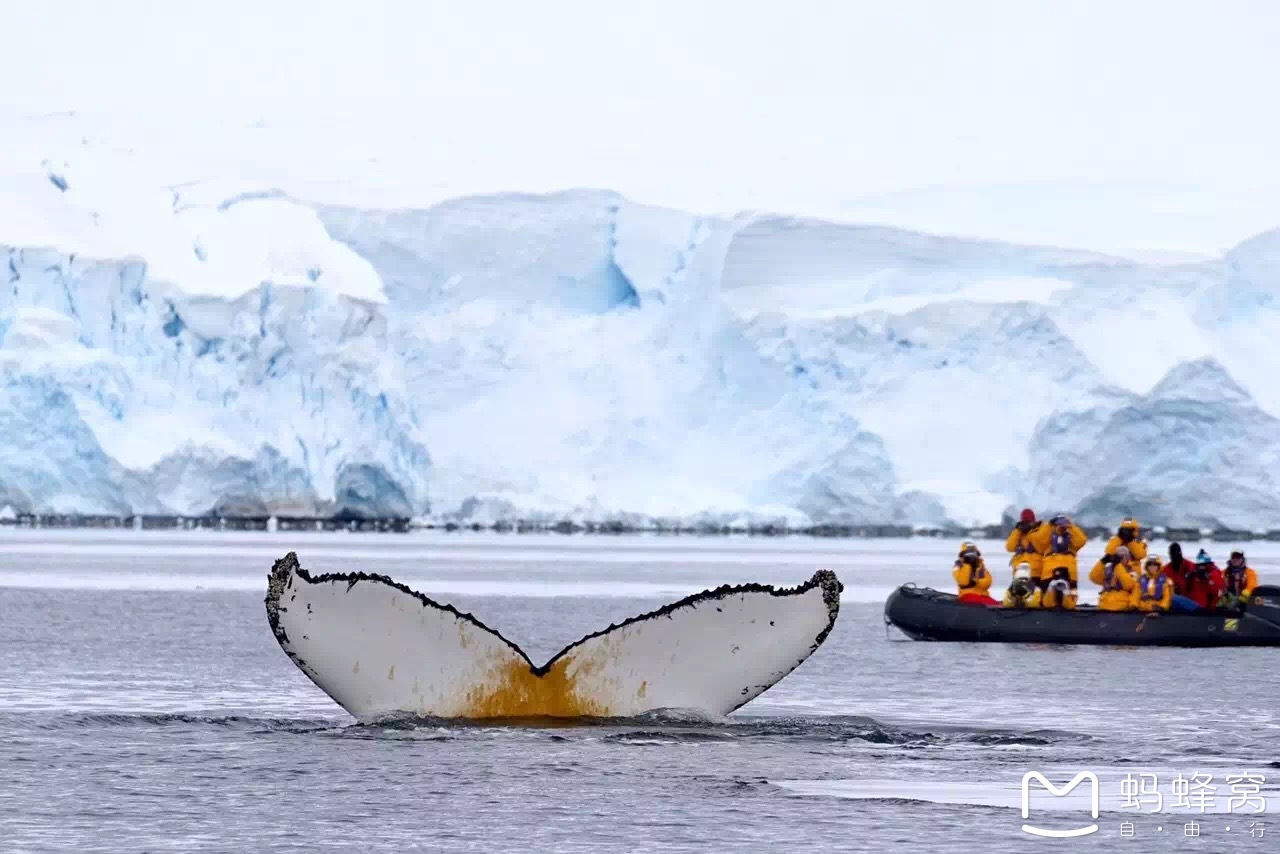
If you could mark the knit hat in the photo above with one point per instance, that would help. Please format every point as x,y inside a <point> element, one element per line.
<point>1203,557</point>
<point>1028,516</point>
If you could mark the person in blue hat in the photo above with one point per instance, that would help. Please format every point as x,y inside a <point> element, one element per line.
<point>1177,569</point>
<point>1203,584</point>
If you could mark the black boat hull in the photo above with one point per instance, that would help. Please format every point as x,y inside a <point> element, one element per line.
<point>925,614</point>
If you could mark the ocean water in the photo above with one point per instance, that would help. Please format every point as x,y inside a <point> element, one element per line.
<point>145,706</point>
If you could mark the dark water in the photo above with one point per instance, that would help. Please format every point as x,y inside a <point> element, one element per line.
<point>134,718</point>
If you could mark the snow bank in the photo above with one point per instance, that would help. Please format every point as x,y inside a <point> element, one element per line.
<point>93,202</point>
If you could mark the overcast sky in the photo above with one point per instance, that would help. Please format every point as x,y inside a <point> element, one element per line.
<point>770,103</point>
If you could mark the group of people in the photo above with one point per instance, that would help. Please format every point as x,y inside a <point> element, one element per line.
<point>1045,572</point>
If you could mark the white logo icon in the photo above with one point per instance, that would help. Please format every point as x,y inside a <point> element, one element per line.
<point>1058,793</point>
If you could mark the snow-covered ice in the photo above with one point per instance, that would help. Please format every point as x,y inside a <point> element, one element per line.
<point>216,344</point>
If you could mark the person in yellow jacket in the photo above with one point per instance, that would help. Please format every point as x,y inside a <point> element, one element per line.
<point>1129,535</point>
<point>1023,592</point>
<point>1020,546</point>
<point>972,576</point>
<point>1239,579</point>
<point>1114,574</point>
<point>1059,592</point>
<point>1154,591</point>
<point>1058,543</point>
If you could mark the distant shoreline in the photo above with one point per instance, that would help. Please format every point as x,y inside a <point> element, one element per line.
<point>571,527</point>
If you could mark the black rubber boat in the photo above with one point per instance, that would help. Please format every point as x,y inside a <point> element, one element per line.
<point>925,614</point>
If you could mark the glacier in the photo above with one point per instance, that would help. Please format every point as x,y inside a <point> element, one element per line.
<point>576,355</point>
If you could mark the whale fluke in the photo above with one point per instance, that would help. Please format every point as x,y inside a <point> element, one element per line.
<point>379,648</point>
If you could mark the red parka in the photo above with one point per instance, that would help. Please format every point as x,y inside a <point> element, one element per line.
<point>1177,572</point>
<point>1201,583</point>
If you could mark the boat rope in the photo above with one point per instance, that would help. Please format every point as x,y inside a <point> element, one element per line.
<point>1150,615</point>
<point>889,636</point>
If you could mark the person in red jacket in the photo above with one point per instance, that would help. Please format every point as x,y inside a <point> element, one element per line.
<point>1204,583</point>
<point>1178,569</point>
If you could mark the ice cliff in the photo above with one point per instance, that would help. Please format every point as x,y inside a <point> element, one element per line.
<point>577,355</point>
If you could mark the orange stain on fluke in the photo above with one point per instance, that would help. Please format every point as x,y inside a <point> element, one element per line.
<point>517,693</point>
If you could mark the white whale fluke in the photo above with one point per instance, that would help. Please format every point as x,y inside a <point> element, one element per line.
<point>380,649</point>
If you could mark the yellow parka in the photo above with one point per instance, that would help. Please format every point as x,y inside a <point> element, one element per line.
<point>1137,546</point>
<point>1032,600</point>
<point>1058,550</point>
<point>1153,593</point>
<point>1049,600</point>
<point>1021,546</point>
<point>970,579</point>
<point>1117,585</point>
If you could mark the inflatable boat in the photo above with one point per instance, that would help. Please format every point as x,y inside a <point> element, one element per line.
<point>925,614</point>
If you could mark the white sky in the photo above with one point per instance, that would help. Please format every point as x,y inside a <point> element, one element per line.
<point>816,107</point>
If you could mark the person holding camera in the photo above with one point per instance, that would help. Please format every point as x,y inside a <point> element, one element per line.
<point>1057,544</point>
<point>1059,593</point>
<point>1197,585</point>
<point>1204,583</point>
<point>1024,592</point>
<point>972,576</point>
<point>1114,573</point>
<point>1128,535</point>
<point>1020,546</point>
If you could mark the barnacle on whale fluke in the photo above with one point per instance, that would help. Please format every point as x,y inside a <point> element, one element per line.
<point>379,648</point>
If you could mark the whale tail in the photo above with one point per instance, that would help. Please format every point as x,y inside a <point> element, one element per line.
<point>379,648</point>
